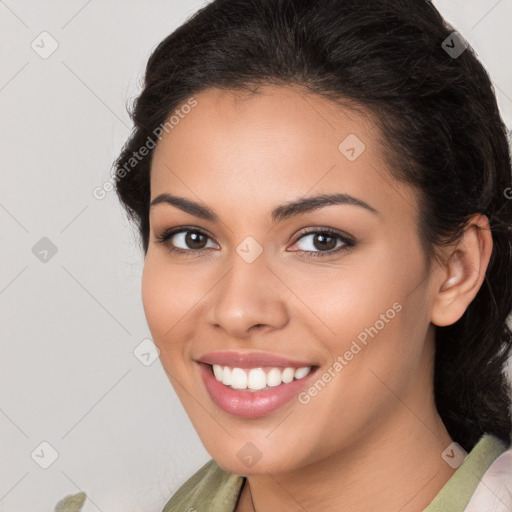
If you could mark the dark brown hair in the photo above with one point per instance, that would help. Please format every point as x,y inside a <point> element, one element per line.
<point>438,115</point>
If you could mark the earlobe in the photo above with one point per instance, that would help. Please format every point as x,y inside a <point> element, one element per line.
<point>463,273</point>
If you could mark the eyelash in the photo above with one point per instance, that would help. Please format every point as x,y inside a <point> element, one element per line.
<point>349,243</point>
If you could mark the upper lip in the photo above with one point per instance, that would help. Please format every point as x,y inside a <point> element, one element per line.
<point>250,360</point>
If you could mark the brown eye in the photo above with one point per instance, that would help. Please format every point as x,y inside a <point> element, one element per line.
<point>192,241</point>
<point>195,240</point>
<point>324,242</point>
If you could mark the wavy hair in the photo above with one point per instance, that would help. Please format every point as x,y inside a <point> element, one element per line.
<point>440,122</point>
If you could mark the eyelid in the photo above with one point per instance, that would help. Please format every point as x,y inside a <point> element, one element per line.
<point>325,230</point>
<point>348,241</point>
<point>164,236</point>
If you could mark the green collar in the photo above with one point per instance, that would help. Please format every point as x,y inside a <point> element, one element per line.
<point>457,492</point>
<point>212,488</point>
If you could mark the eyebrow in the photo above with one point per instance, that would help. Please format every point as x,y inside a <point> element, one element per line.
<point>279,213</point>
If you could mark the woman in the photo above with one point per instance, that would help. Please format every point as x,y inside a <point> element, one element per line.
<point>321,193</point>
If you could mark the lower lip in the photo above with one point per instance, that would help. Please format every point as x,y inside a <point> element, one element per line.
<point>251,404</point>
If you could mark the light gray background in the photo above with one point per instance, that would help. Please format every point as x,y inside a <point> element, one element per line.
<point>70,325</point>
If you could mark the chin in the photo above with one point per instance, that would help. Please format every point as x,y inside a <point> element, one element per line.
<point>249,461</point>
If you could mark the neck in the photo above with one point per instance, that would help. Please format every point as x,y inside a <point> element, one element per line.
<point>402,470</point>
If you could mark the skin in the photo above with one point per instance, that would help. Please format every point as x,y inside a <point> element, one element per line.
<point>371,439</point>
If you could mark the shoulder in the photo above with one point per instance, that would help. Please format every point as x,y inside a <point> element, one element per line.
<point>459,493</point>
<point>494,492</point>
<point>209,488</point>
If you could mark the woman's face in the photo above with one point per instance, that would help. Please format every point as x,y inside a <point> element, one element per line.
<point>353,304</point>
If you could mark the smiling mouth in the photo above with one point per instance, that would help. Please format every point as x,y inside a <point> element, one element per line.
<point>258,379</point>
<point>256,391</point>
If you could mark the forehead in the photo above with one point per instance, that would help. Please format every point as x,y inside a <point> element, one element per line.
<point>261,149</point>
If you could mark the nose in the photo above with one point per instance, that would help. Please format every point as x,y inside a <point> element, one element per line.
<point>248,298</point>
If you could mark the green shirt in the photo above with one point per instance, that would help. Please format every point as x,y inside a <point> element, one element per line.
<point>214,490</point>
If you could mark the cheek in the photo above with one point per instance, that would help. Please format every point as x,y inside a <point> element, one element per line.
<point>342,301</point>
<point>374,320</point>
<point>165,300</point>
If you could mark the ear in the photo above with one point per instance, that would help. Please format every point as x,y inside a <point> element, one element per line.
<point>463,272</point>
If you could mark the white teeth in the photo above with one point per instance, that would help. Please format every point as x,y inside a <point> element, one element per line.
<point>274,377</point>
<point>288,375</point>
<point>226,376</point>
<point>238,379</point>
<point>302,372</point>
<point>256,378</point>
<point>217,371</point>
